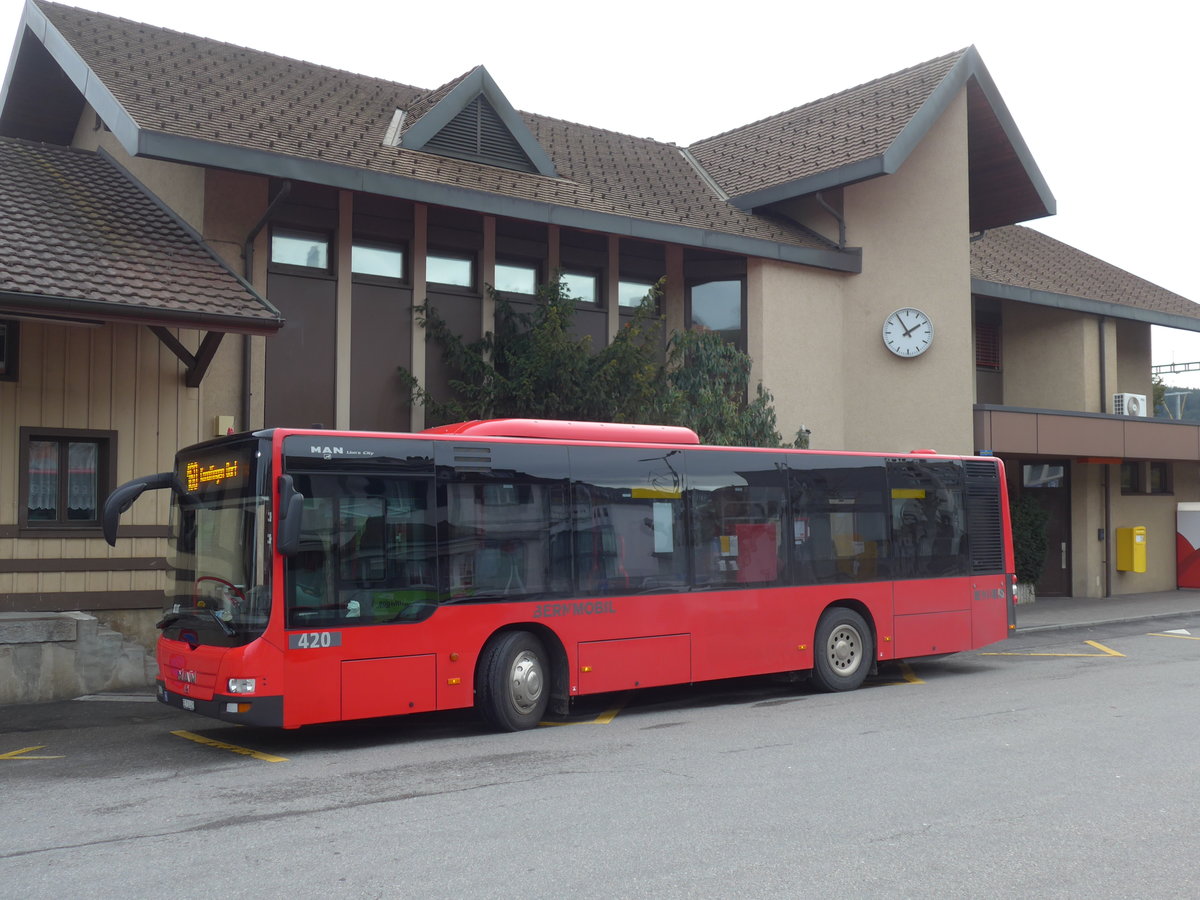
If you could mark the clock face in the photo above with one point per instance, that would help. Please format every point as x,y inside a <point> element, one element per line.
<point>907,332</point>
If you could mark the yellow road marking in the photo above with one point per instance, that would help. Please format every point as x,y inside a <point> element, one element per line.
<point>1186,637</point>
<point>20,754</point>
<point>906,672</point>
<point>603,719</point>
<point>1105,651</point>
<point>232,748</point>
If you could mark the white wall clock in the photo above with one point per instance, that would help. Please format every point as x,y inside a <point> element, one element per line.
<point>907,332</point>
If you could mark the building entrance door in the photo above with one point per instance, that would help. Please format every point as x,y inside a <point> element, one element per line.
<point>1048,482</point>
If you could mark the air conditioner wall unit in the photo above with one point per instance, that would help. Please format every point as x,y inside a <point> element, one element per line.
<point>1130,405</point>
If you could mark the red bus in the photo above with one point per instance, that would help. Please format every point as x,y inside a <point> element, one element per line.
<point>512,565</point>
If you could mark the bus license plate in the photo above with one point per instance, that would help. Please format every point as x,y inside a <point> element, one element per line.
<point>189,704</point>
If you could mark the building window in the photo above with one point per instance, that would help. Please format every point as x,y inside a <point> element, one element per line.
<point>444,268</point>
<point>987,346</point>
<point>305,249</point>
<point>516,278</point>
<point>65,477</point>
<point>1160,478</point>
<point>1131,478</point>
<point>630,294</point>
<point>10,339</point>
<point>717,306</point>
<point>379,260</point>
<point>582,287</point>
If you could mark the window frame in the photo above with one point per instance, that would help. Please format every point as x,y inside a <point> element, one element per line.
<point>327,271</point>
<point>12,349</point>
<point>583,272</point>
<point>631,309</point>
<point>743,338</point>
<point>513,262</point>
<point>379,244</point>
<point>467,256</point>
<point>106,472</point>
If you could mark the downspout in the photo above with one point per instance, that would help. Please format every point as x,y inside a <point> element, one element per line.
<point>248,261</point>
<point>1107,479</point>
<point>841,220</point>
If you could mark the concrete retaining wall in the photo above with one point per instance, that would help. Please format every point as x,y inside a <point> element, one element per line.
<point>58,656</point>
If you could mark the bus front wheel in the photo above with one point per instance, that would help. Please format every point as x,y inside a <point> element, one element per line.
<point>843,652</point>
<point>513,684</point>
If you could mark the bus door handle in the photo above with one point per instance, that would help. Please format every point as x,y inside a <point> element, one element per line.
<point>1064,554</point>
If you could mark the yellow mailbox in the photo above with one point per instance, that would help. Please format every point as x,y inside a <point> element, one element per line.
<point>1131,549</point>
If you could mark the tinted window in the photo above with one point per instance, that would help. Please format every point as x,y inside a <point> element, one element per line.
<point>366,551</point>
<point>928,518</point>
<point>628,520</point>
<point>839,523</point>
<point>506,527</point>
<point>736,501</point>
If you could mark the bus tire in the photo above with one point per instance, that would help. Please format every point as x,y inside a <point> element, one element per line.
<point>843,651</point>
<point>513,685</point>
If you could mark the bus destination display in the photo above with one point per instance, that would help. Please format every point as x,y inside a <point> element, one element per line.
<point>203,474</point>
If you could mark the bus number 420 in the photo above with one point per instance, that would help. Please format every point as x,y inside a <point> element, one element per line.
<point>311,640</point>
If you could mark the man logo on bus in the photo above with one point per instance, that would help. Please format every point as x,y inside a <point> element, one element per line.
<point>327,452</point>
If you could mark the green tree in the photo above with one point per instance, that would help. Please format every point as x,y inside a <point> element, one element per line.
<point>533,366</point>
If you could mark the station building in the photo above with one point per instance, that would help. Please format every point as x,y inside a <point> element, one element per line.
<point>197,237</point>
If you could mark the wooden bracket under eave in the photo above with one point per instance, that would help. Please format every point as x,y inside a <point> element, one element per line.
<point>197,364</point>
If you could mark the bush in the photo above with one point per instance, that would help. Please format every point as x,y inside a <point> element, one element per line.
<point>1029,538</point>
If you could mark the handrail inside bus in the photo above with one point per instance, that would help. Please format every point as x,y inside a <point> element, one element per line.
<point>606,432</point>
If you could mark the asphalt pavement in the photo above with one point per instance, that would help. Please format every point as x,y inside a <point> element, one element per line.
<point>1071,612</point>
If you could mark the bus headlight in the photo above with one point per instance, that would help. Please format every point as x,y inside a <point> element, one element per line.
<point>241,685</point>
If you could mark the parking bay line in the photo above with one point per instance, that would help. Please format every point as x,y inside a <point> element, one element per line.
<point>1186,637</point>
<point>20,754</point>
<point>1104,651</point>
<point>232,748</point>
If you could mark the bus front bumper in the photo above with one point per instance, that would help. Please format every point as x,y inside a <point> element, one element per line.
<point>244,709</point>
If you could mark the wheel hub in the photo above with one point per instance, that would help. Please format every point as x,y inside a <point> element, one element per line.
<point>843,651</point>
<point>525,682</point>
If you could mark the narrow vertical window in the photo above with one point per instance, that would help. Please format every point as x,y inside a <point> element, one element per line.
<point>9,342</point>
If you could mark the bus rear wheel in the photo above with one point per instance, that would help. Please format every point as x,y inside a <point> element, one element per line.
<point>513,685</point>
<point>843,651</point>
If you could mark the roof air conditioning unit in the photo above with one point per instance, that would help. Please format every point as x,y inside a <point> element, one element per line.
<point>1129,405</point>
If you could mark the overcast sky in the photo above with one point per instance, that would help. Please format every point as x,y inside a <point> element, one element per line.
<point>1104,97</point>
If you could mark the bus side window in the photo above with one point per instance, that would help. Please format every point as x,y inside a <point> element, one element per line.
<point>629,534</point>
<point>839,529</point>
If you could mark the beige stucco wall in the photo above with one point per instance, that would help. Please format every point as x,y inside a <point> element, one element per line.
<point>913,227</point>
<point>1051,358</point>
<point>798,347</point>
<point>1133,359</point>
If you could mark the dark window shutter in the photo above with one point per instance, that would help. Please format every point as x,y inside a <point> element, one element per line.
<point>987,346</point>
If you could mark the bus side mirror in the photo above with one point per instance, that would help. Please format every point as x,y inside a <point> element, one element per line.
<point>122,498</point>
<point>291,509</point>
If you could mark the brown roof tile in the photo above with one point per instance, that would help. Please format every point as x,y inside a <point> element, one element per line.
<point>1025,258</point>
<point>74,228</point>
<point>835,131</point>
<point>193,87</point>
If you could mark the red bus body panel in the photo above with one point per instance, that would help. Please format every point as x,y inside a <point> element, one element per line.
<point>610,643</point>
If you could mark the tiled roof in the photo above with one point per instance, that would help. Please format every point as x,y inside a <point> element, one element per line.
<point>74,228</point>
<point>198,89</point>
<point>845,128</point>
<point>1025,258</point>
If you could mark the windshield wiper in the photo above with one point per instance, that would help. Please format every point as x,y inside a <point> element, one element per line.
<point>172,617</point>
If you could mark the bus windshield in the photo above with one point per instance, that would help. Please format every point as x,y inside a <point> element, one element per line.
<point>216,584</point>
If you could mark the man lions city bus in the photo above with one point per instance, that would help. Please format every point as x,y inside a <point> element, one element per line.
<point>512,565</point>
